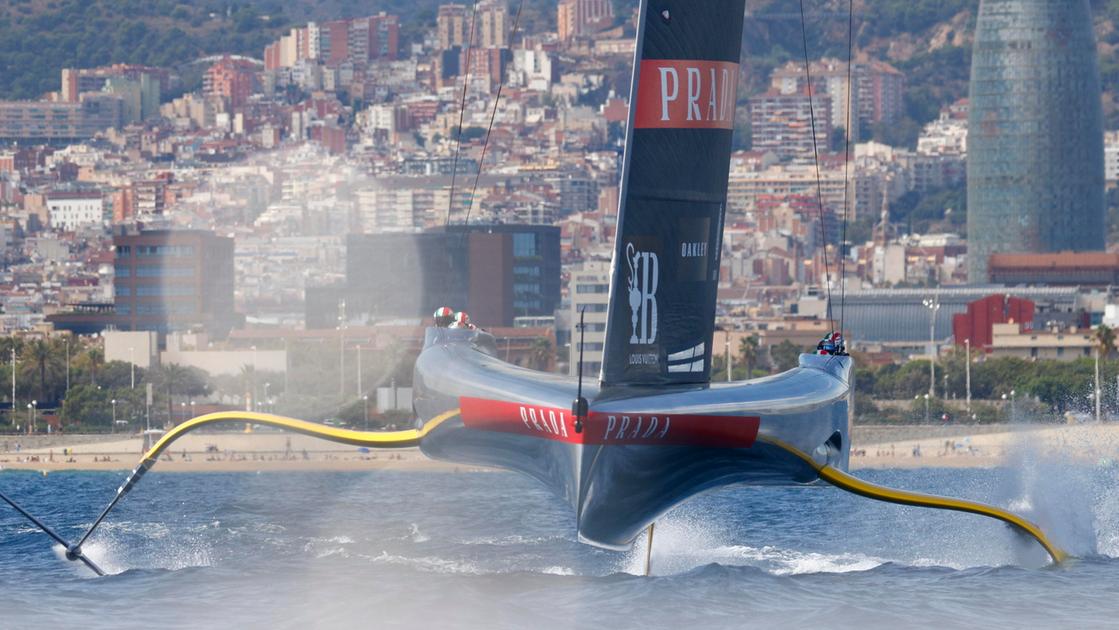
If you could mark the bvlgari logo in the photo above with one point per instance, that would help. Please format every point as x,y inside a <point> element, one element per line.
<point>644,273</point>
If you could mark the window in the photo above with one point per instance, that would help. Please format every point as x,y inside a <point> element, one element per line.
<point>120,291</point>
<point>122,271</point>
<point>592,288</point>
<point>164,250</point>
<point>124,309</point>
<point>524,245</point>
<point>162,271</point>
<point>526,289</point>
<point>160,290</point>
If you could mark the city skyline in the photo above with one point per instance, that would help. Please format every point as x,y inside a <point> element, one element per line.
<point>348,126</point>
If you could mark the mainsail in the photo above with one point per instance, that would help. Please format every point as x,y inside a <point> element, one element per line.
<point>673,193</point>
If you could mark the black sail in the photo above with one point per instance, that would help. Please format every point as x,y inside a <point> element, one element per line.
<point>673,193</point>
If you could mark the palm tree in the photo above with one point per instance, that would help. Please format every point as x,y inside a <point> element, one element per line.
<point>96,361</point>
<point>541,353</point>
<point>172,374</point>
<point>748,348</point>
<point>40,356</point>
<point>248,382</point>
<point>1105,340</point>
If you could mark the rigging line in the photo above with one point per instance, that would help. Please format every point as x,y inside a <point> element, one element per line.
<point>461,111</point>
<point>493,116</point>
<point>846,161</point>
<point>816,158</point>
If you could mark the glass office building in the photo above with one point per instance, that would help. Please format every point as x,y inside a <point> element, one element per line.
<point>1035,132</point>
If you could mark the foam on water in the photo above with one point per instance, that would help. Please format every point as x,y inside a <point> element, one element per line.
<point>682,543</point>
<point>1075,501</point>
<point>415,535</point>
<point>433,564</point>
<point>743,557</point>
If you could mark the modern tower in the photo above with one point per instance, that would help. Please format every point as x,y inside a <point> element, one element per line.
<point>1035,132</point>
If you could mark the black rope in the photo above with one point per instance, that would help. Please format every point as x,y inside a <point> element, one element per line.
<point>816,158</point>
<point>493,116</point>
<point>846,160</point>
<point>461,111</point>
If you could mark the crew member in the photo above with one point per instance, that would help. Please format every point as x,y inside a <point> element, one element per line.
<point>444,316</point>
<point>462,320</point>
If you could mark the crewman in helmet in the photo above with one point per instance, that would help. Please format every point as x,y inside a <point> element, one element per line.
<point>832,344</point>
<point>462,320</point>
<point>444,316</point>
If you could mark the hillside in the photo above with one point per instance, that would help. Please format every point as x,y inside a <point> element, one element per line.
<point>40,37</point>
<point>930,40</point>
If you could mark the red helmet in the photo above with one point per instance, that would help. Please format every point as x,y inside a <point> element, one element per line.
<point>444,316</point>
<point>462,319</point>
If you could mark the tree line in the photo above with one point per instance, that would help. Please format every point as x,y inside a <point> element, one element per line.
<point>70,377</point>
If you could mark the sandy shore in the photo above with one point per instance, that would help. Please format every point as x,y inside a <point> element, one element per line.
<point>1089,443</point>
<point>216,452</point>
<point>902,447</point>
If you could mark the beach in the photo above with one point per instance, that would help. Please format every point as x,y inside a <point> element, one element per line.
<point>210,452</point>
<point>873,447</point>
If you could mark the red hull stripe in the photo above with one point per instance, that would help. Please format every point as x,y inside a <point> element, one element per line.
<point>684,94</point>
<point>553,423</point>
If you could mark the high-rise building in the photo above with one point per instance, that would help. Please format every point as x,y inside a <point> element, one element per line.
<point>589,290</point>
<point>877,97</point>
<point>58,122</point>
<point>575,18</point>
<point>493,25</point>
<point>451,25</point>
<point>1035,132</point>
<point>783,123</point>
<point>165,280</point>
<point>356,40</point>
<point>169,280</point>
<point>494,272</point>
<point>230,80</point>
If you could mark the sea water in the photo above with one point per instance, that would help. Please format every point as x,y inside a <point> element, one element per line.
<point>495,550</point>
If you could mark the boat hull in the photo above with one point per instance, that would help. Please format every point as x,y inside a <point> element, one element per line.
<point>642,451</point>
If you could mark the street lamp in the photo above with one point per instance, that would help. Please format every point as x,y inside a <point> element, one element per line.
<point>365,405</point>
<point>342,348</point>
<point>30,420</point>
<point>926,408</point>
<point>967,372</point>
<point>255,399</point>
<point>726,353</point>
<point>1097,391</point>
<point>192,414</point>
<point>14,385</point>
<point>113,427</point>
<point>182,408</point>
<point>933,305</point>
